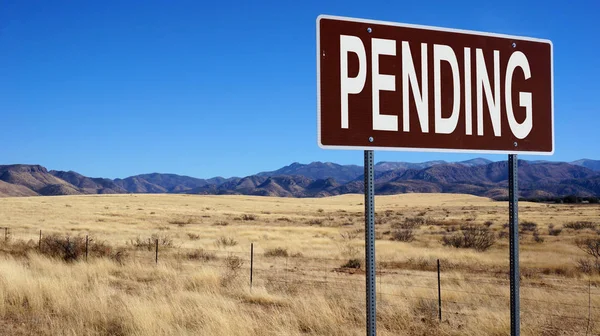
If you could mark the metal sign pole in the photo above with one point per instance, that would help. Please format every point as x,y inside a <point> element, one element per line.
<point>513,205</point>
<point>370,243</point>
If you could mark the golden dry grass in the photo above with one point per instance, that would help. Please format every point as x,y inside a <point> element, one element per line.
<point>305,293</point>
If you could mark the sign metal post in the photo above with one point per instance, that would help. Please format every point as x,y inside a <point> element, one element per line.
<point>513,216</point>
<point>370,243</point>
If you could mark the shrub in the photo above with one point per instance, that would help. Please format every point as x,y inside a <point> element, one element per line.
<point>193,236</point>
<point>120,256</point>
<point>200,254</point>
<point>139,243</point>
<point>234,263</point>
<point>181,221</point>
<point>421,263</point>
<point>221,223</point>
<point>224,242</point>
<point>150,242</point>
<point>72,248</point>
<point>352,263</point>
<point>5,236</point>
<point>347,246</point>
<point>537,238</point>
<point>350,235</point>
<point>528,226</point>
<point>277,252</point>
<point>349,249</point>
<point>476,237</point>
<point>554,232</point>
<point>315,222</point>
<point>580,225</point>
<point>413,222</point>
<point>380,220</point>
<point>410,224</point>
<point>249,217</point>
<point>163,240</point>
<point>591,246</point>
<point>98,248</point>
<point>588,266</point>
<point>403,235</point>
<point>19,248</point>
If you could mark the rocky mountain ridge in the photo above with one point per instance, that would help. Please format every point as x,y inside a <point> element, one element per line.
<point>318,179</point>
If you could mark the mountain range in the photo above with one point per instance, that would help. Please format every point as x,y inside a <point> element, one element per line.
<point>318,179</point>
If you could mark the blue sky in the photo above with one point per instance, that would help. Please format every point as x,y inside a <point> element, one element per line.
<point>117,88</point>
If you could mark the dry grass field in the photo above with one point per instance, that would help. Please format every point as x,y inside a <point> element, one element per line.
<point>308,274</point>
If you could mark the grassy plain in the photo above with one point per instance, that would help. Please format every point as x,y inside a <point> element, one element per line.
<point>201,284</point>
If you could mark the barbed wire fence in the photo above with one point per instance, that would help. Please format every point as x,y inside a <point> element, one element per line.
<point>571,308</point>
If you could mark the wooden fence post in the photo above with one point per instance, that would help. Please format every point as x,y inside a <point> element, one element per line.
<point>156,251</point>
<point>439,291</point>
<point>251,262</point>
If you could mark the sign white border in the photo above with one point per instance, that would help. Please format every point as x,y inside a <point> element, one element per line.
<point>450,30</point>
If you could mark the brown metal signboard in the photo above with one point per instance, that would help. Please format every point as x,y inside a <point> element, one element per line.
<point>390,86</point>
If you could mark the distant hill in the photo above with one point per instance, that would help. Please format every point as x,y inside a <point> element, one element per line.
<point>386,166</point>
<point>9,189</point>
<point>591,164</point>
<point>549,179</point>
<point>347,173</point>
<point>244,186</point>
<point>475,162</point>
<point>89,185</point>
<point>35,178</point>
<point>318,179</point>
<point>319,170</point>
<point>160,183</point>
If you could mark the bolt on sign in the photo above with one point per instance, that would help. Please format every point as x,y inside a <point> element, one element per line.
<point>393,86</point>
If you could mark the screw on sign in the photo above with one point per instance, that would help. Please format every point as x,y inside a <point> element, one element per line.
<point>393,86</point>
<point>423,88</point>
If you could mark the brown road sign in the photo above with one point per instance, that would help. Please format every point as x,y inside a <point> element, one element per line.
<point>394,86</point>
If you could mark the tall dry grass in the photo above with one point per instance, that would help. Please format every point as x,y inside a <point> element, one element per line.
<point>198,288</point>
<point>103,298</point>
